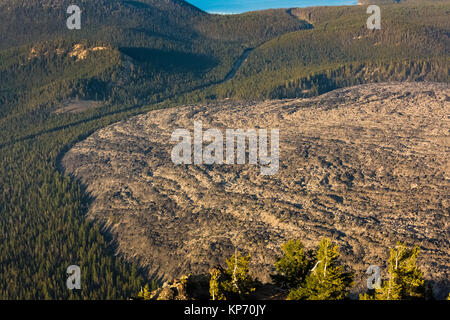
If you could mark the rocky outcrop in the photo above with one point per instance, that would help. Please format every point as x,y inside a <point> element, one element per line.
<point>190,287</point>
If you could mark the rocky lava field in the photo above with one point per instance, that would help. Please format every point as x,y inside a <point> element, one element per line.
<point>366,166</point>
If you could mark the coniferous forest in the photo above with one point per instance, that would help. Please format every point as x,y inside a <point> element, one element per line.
<point>131,57</point>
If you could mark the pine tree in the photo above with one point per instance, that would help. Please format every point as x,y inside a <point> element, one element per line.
<point>233,282</point>
<point>405,278</point>
<point>327,280</point>
<point>144,293</point>
<point>241,282</point>
<point>215,284</point>
<point>293,266</point>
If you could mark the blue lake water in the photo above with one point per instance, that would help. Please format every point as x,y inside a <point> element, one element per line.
<point>239,6</point>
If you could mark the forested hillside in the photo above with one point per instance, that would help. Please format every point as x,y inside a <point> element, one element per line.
<point>134,56</point>
<point>412,45</point>
<point>149,53</point>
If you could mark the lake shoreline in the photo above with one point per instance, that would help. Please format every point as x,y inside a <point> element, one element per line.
<point>238,7</point>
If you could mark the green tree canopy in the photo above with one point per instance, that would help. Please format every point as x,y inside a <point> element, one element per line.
<point>233,282</point>
<point>327,280</point>
<point>405,278</point>
<point>293,266</point>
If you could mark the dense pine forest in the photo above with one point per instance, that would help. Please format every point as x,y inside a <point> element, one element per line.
<point>135,56</point>
<point>412,45</point>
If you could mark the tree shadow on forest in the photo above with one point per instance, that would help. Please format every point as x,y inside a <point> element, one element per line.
<point>172,61</point>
